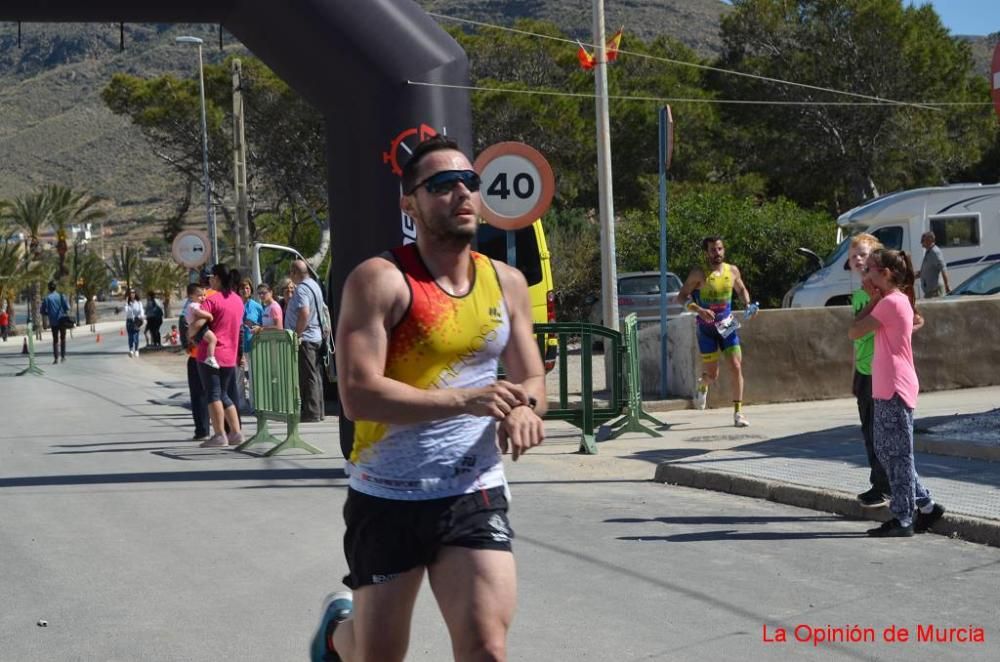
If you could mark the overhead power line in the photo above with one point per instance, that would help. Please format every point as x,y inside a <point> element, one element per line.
<point>705,67</point>
<point>749,102</point>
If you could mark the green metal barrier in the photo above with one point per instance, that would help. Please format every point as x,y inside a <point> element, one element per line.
<point>32,369</point>
<point>632,421</point>
<point>586,417</point>
<point>623,380</point>
<point>274,367</point>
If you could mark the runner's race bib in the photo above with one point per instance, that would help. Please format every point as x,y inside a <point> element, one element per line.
<point>727,325</point>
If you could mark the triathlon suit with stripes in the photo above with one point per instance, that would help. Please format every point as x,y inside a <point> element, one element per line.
<point>716,294</point>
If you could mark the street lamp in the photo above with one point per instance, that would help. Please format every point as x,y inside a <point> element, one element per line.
<point>204,150</point>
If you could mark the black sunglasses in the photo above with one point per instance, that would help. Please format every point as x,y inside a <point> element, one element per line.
<point>446,180</point>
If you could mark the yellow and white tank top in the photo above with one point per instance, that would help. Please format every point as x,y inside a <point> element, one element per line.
<point>442,341</point>
<point>716,293</point>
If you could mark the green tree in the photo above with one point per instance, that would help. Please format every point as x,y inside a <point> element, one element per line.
<point>93,277</point>
<point>30,214</point>
<point>162,277</point>
<point>68,208</point>
<point>285,135</point>
<point>838,156</point>
<point>125,264</point>
<point>760,238</point>
<point>562,126</point>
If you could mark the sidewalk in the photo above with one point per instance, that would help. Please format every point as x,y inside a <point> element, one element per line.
<point>811,455</point>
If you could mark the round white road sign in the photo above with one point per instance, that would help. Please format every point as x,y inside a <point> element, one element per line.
<point>518,185</point>
<point>190,248</point>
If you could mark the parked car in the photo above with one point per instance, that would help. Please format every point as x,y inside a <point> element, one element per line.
<point>639,293</point>
<point>984,281</point>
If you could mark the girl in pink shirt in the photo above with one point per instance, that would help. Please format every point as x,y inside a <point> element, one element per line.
<point>891,314</point>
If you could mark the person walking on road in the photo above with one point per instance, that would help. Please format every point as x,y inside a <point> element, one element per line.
<point>302,316</point>
<point>135,315</point>
<point>710,291</point>
<point>421,330</point>
<point>861,248</point>
<point>890,315</point>
<point>933,269</point>
<point>56,308</point>
<point>226,308</point>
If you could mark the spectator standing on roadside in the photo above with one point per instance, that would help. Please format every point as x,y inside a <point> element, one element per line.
<point>226,308</point>
<point>154,319</point>
<point>891,315</point>
<point>273,316</point>
<point>932,269</point>
<point>861,248</point>
<point>90,312</point>
<point>286,290</point>
<point>4,322</point>
<point>302,317</point>
<point>253,317</point>
<point>199,407</point>
<point>135,315</point>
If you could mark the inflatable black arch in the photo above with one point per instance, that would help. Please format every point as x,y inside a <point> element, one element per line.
<point>352,60</point>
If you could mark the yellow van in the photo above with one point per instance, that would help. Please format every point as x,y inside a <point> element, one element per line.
<point>534,261</point>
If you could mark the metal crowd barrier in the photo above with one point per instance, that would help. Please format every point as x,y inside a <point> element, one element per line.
<point>274,370</point>
<point>621,350</point>
<point>32,368</point>
<point>632,420</point>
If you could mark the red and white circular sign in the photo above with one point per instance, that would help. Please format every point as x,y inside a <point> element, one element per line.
<point>190,248</point>
<point>518,185</point>
<point>995,78</point>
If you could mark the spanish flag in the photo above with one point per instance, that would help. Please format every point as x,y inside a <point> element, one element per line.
<point>611,49</point>
<point>587,61</point>
<point>585,58</point>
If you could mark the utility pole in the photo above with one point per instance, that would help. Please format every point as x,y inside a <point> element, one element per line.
<point>609,268</point>
<point>240,170</point>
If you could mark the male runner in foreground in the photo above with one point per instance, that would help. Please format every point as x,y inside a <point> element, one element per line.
<point>421,330</point>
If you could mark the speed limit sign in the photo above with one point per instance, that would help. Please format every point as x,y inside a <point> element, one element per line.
<point>517,187</point>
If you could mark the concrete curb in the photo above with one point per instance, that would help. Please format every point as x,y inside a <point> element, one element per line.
<point>955,448</point>
<point>972,529</point>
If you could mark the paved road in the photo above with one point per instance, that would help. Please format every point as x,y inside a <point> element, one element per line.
<point>134,544</point>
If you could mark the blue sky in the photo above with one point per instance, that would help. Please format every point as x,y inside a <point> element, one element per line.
<point>972,17</point>
<point>975,17</point>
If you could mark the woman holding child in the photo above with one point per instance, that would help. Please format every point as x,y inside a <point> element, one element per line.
<point>224,310</point>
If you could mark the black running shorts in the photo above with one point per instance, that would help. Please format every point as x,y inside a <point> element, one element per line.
<point>387,537</point>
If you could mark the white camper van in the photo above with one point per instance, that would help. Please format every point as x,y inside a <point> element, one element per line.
<point>965,220</point>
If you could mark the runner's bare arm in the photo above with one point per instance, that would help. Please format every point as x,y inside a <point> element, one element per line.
<point>740,286</point>
<point>693,282</point>
<point>522,429</point>
<point>374,299</point>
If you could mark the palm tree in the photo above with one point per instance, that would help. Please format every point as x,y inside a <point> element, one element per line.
<point>94,276</point>
<point>30,214</point>
<point>161,277</point>
<point>66,208</point>
<point>124,264</point>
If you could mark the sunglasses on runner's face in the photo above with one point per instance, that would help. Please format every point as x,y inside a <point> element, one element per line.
<point>446,180</point>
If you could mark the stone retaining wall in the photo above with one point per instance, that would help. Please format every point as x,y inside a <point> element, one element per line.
<point>805,354</point>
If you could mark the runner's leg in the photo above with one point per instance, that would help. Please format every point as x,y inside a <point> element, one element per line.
<point>476,590</point>
<point>379,627</point>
